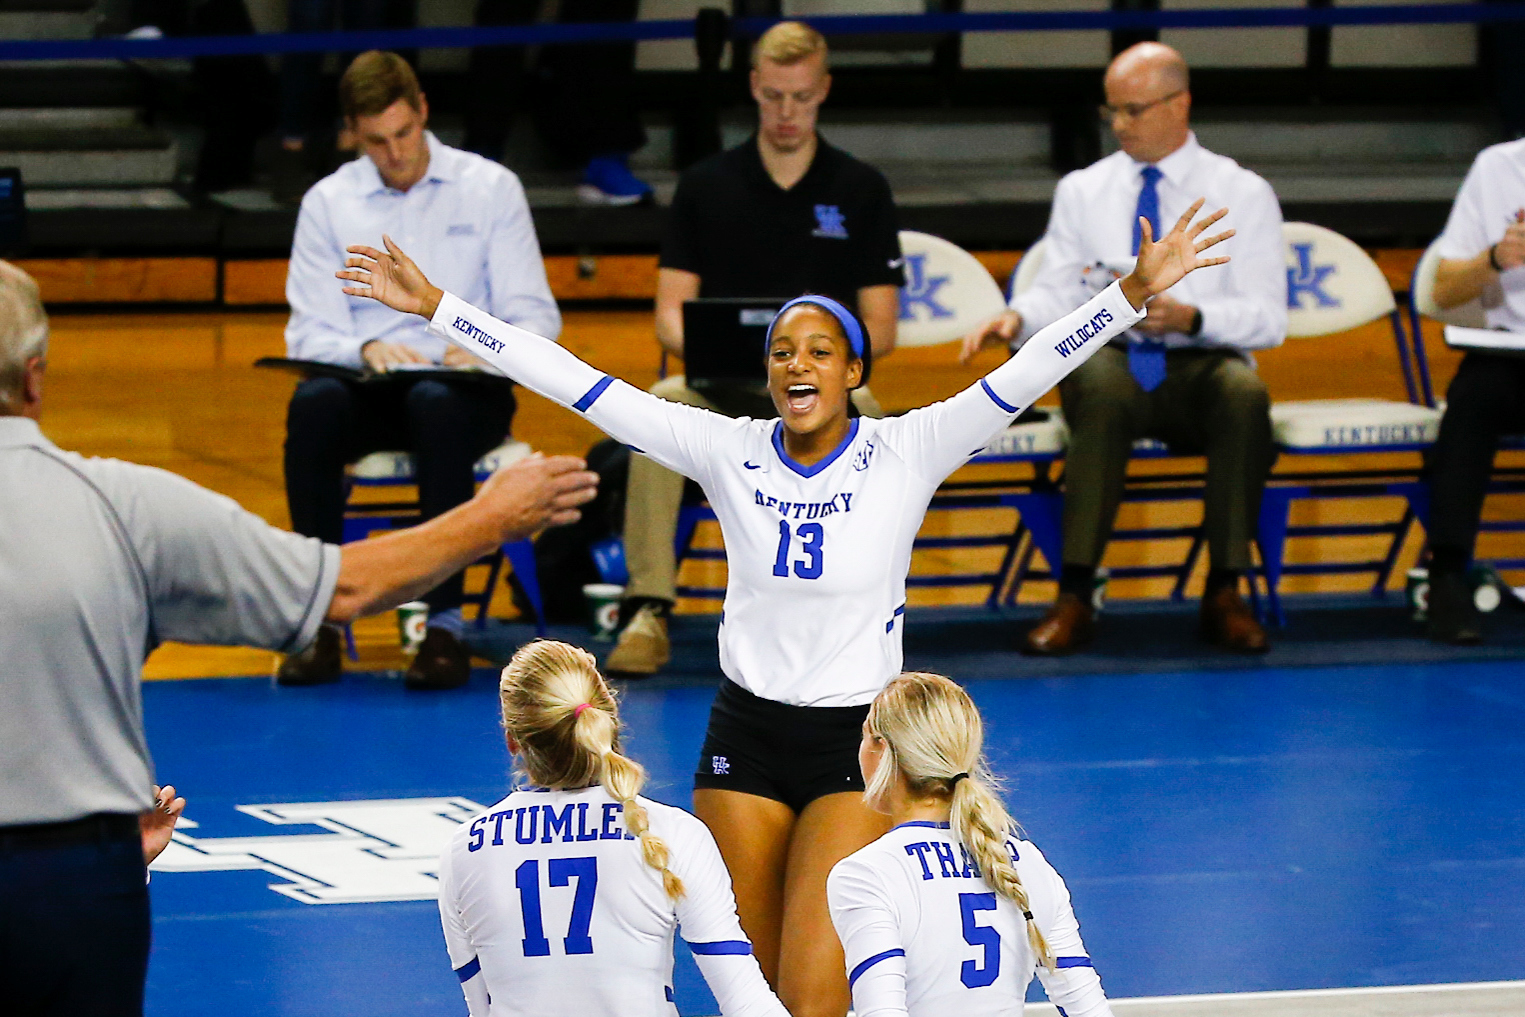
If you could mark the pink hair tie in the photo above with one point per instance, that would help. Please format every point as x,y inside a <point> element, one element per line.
<point>579,708</point>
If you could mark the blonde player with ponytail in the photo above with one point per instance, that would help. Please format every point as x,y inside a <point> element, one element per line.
<point>564,897</point>
<point>951,912</point>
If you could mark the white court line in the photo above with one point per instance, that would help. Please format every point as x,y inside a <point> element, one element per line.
<point>1450,999</point>
<point>1459,999</point>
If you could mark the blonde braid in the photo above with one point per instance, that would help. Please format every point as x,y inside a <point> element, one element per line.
<point>623,778</point>
<point>980,822</point>
<point>934,734</point>
<point>564,720</point>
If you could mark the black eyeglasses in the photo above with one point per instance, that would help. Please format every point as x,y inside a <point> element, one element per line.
<point>1133,109</point>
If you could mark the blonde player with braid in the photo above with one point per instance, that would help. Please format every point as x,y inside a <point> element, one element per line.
<point>951,912</point>
<point>564,897</point>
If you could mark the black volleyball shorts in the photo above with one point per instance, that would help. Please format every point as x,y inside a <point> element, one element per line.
<point>792,754</point>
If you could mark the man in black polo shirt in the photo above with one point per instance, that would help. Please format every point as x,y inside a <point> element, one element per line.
<point>781,214</point>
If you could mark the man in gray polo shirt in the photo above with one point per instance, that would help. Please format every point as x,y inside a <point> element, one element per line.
<point>100,560</point>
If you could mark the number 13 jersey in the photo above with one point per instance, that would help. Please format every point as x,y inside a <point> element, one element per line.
<point>817,555</point>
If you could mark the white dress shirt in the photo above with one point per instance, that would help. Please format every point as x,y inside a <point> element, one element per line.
<point>1489,200</point>
<point>467,225</point>
<point>1089,243</point>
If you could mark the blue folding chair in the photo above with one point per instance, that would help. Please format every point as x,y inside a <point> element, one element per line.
<point>395,469</point>
<point>1334,286</point>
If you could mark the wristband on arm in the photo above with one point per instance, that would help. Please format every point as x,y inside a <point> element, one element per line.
<point>1493,259</point>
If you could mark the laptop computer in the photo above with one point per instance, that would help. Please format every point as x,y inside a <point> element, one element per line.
<point>723,341</point>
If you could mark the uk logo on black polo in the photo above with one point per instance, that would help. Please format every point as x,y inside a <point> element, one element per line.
<point>830,223</point>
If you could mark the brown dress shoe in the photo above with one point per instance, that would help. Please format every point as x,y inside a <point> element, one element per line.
<point>1228,622</point>
<point>643,648</point>
<point>319,664</point>
<point>442,662</point>
<point>1067,627</point>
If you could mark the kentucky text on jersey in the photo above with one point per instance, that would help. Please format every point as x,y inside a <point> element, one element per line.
<point>842,502</point>
<point>462,325</point>
<point>1076,339</point>
<point>526,822</point>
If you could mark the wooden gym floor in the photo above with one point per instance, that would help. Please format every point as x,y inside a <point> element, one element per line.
<point>177,390</point>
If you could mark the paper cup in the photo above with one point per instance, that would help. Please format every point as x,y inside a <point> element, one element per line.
<point>1416,590</point>
<point>412,622</point>
<point>603,608</point>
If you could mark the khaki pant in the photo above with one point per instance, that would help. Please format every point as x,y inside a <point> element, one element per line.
<point>1211,403</point>
<point>654,493</point>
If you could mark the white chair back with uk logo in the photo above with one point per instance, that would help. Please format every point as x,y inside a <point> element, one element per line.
<point>1334,286</point>
<point>947,292</point>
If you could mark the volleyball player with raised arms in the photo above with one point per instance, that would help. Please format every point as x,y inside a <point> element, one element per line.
<point>819,511</point>
<point>564,897</point>
<point>950,912</point>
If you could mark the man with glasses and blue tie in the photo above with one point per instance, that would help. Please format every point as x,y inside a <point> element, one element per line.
<point>1186,375</point>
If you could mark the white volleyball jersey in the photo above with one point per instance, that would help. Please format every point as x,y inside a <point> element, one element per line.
<point>549,908</point>
<point>817,555</point>
<point>924,934</point>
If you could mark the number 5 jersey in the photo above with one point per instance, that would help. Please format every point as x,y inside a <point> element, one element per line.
<point>549,908</point>
<point>817,555</point>
<point>924,934</point>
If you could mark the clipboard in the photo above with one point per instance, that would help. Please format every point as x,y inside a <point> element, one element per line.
<point>406,373</point>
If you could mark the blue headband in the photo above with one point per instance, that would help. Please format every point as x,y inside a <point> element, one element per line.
<point>845,318</point>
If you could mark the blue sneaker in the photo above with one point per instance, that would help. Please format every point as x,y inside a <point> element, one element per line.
<point>607,180</point>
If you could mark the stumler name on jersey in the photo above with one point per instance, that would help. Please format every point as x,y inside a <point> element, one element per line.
<point>527,820</point>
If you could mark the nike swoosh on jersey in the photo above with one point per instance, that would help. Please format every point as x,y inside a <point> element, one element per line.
<point>751,466</point>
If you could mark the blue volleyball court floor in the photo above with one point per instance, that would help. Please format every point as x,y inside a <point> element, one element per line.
<point>1230,829</point>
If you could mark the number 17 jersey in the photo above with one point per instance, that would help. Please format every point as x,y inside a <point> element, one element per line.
<point>549,908</point>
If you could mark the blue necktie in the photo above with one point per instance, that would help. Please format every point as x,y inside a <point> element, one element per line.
<point>1146,358</point>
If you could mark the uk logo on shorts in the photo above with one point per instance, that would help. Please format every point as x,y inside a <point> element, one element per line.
<point>830,223</point>
<point>720,765</point>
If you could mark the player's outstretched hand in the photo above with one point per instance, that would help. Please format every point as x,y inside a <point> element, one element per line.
<point>158,823</point>
<point>1163,263</point>
<point>391,277</point>
<point>536,492</point>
